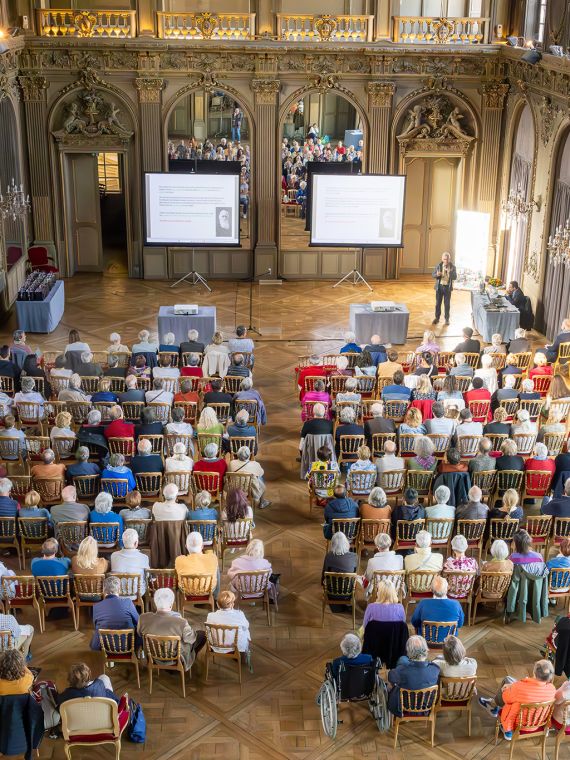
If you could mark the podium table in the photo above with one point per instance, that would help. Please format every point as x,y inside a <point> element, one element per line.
<point>179,324</point>
<point>391,326</point>
<point>42,316</point>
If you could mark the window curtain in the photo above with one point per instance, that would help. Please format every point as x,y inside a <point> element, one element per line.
<point>556,293</point>
<point>521,177</point>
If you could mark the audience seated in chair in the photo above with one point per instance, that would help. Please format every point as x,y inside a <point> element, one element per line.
<point>474,508</point>
<point>558,506</point>
<point>246,466</point>
<point>169,509</point>
<point>114,612</point>
<point>8,507</point>
<point>389,462</point>
<point>414,671</point>
<point>339,558</point>
<point>453,661</point>
<point>338,508</point>
<point>70,510</point>
<point>48,469</point>
<point>439,609</point>
<point>507,507</point>
<point>82,684</point>
<point>117,470</point>
<point>422,557</point>
<point>179,461</point>
<point>227,615</point>
<point>15,678</point>
<point>386,608</point>
<point>483,462</point>
<point>49,563</point>
<point>376,506</point>
<point>118,428</point>
<point>82,466</point>
<point>102,512</point>
<point>32,509</point>
<point>198,561</point>
<point>202,509</point>
<point>351,648</point>
<point>145,460</point>
<point>130,559</point>
<point>383,560</point>
<point>509,459</point>
<point>87,561</point>
<point>441,509</point>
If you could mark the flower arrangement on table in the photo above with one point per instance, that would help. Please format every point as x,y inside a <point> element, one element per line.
<point>494,282</point>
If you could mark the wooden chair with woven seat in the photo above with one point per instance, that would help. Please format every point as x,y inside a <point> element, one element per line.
<point>532,406</point>
<point>58,384</point>
<point>369,529</point>
<point>525,443</point>
<point>9,536</point>
<point>479,410</point>
<point>460,584</point>
<point>156,442</point>
<point>434,632</point>
<point>54,592</point>
<point>149,484</point>
<point>222,641</point>
<point>501,528</point>
<point>511,406</point>
<point>88,487</point>
<point>236,442</point>
<point>131,587</point>
<point>350,526</point>
<point>235,535</point>
<point>251,586</point>
<point>207,481</point>
<point>559,585</point>
<point>416,705</point>
<point>440,442</point>
<point>124,446</point>
<point>406,532</point>
<point>321,480</point>
<point>49,490</point>
<point>554,443</point>
<point>87,591</point>
<point>348,448</point>
<point>21,591</point>
<point>378,441</point>
<point>392,482</point>
<point>419,585</point>
<point>440,529</point>
<point>241,480</point>
<point>156,578</point>
<point>456,695</point>
<point>532,722</point>
<point>486,480</point>
<point>560,531</point>
<point>359,483</point>
<point>89,384</point>
<point>107,535</point>
<point>132,411</point>
<point>445,360</point>
<point>70,534</point>
<point>395,410</point>
<point>195,589</point>
<point>396,577</point>
<point>208,529</point>
<point>492,589</point>
<point>93,721</point>
<point>33,532</point>
<point>339,590</point>
<point>421,481</point>
<point>507,479</point>
<point>164,653</point>
<point>473,531</point>
<point>190,410</point>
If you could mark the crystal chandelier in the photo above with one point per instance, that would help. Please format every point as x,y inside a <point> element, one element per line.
<point>559,246</point>
<point>516,205</point>
<point>14,203</point>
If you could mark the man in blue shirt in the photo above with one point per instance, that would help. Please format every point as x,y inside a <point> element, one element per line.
<point>114,612</point>
<point>242,429</point>
<point>350,347</point>
<point>397,391</point>
<point>338,508</point>
<point>83,467</point>
<point>48,563</point>
<point>440,609</point>
<point>145,460</point>
<point>413,671</point>
<point>558,507</point>
<point>8,507</point>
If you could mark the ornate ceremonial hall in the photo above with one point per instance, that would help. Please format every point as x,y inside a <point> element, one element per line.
<point>284,379</point>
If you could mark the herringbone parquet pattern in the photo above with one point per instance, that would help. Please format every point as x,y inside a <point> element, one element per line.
<point>274,715</point>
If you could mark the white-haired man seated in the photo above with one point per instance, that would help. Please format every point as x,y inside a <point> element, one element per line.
<point>351,648</point>
<point>414,671</point>
<point>198,562</point>
<point>423,558</point>
<point>73,392</point>
<point>441,509</point>
<point>129,559</point>
<point>144,346</point>
<point>87,367</point>
<point>145,460</point>
<point>389,461</point>
<point>350,345</point>
<point>378,423</point>
<point>192,345</point>
<point>439,609</point>
<point>246,466</point>
<point>116,347</point>
<point>475,508</point>
<point>165,622</point>
<point>169,509</point>
<point>384,560</point>
<point>158,394</point>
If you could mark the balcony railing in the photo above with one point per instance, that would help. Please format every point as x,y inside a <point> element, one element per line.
<point>324,28</point>
<point>206,26</point>
<point>70,23</point>
<point>443,31</point>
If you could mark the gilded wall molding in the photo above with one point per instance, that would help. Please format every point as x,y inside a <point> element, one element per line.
<point>149,89</point>
<point>532,264</point>
<point>380,94</point>
<point>494,94</point>
<point>33,87</point>
<point>548,114</point>
<point>265,91</point>
<point>8,88</point>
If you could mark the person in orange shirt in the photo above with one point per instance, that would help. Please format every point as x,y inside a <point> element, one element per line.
<point>49,469</point>
<point>186,393</point>
<point>198,562</point>
<point>512,693</point>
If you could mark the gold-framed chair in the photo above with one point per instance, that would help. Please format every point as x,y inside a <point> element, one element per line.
<point>523,359</point>
<point>561,733</point>
<point>7,384</point>
<point>205,438</point>
<point>132,411</point>
<point>120,445</point>
<point>21,485</point>
<point>472,359</point>
<point>236,442</point>
<point>172,355</point>
<point>359,483</point>
<point>378,441</point>
<point>416,705</point>
<point>87,591</point>
<point>456,695</point>
<point>533,722</point>
<point>107,535</point>
<point>164,653</point>
<point>171,439</point>
<point>440,443</point>
<point>542,384</point>
<point>117,384</point>
<point>222,641</point>
<point>195,588</point>
<point>141,526</point>
<point>525,443</point>
<point>186,358</point>
<point>222,410</point>
<point>117,487</point>
<point>156,578</point>
<point>339,590</point>
<point>440,529</point>
<point>131,587</point>
<point>149,484</point>
<point>118,647</point>
<point>49,490</point>
<point>235,535</point>
<point>161,411</point>
<point>350,526</point>
<point>33,532</point>
<point>348,448</point>
<point>434,632</point>
<point>91,722</point>
<point>90,383</point>
<point>503,528</point>
<point>207,481</point>
<point>560,531</point>
<point>492,589</point>
<point>499,361</point>
<point>232,383</point>
<point>70,534</point>
<point>536,484</point>
<point>79,410</point>
<point>88,487</point>
<point>209,530</point>
<point>21,591</point>
<point>9,537</point>
<point>462,382</point>
<point>396,410</point>
<point>156,442</point>
<point>558,584</point>
<point>480,410</point>
<point>421,480</point>
<point>473,532</point>
<point>511,406</point>
<point>406,532</point>
<point>406,443</point>
<point>7,641</point>
<point>392,482</point>
<point>497,440</point>
<point>104,408</point>
<point>554,442</point>
<point>532,406</point>
<point>30,413</point>
<point>507,479</point>
<point>54,592</point>
<point>251,406</point>
<point>182,479</point>
<point>486,480</point>
<point>369,529</point>
<point>253,585</point>
<point>396,577</point>
<point>419,585</point>
<point>468,445</point>
<point>190,410</point>
<point>321,480</point>
<point>460,587</point>
<point>11,451</point>
<point>561,407</point>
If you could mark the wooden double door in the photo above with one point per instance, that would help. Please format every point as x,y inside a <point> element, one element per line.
<point>433,190</point>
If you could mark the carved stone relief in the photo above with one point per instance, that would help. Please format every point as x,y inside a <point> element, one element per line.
<point>380,94</point>
<point>149,89</point>
<point>266,91</point>
<point>436,125</point>
<point>548,115</point>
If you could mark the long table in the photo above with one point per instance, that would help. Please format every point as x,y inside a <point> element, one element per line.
<point>391,326</point>
<point>179,324</point>
<point>490,321</point>
<point>42,316</point>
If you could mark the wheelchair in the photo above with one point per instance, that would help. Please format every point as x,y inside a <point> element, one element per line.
<point>355,683</point>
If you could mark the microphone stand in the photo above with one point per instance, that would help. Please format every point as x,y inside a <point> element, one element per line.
<point>250,327</point>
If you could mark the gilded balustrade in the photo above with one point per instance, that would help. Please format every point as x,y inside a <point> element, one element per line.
<point>55,22</point>
<point>443,31</point>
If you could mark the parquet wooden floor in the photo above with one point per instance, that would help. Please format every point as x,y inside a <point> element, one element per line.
<point>274,716</point>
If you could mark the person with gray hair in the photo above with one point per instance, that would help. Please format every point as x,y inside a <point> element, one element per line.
<point>414,671</point>
<point>244,464</point>
<point>8,507</point>
<point>511,694</point>
<point>192,345</point>
<point>388,462</point>
<point>178,426</point>
<point>439,609</point>
<point>350,345</point>
<point>483,462</point>
<point>339,558</point>
<point>441,510</point>
<point>423,558</point>
<point>506,393</point>
<point>238,367</point>
<point>28,395</point>
<point>144,346</point>
<point>102,512</point>
<point>522,423</point>
<point>500,562</point>
<point>169,343</point>
<point>70,510</point>
<point>48,469</point>
<point>117,470</point>
<point>49,563</point>
<point>453,661</point>
<point>319,425</point>
<point>169,509</point>
<point>19,350</point>
<point>179,461</point>
<point>248,393</point>
<point>351,648</point>
<point>203,509</point>
<point>439,424</point>
<point>83,467</point>
<point>376,506</point>
<point>115,346</point>
<point>114,612</point>
<point>459,561</point>
<point>211,462</point>
<point>132,393</point>
<point>158,394</point>
<point>241,342</point>
<point>559,506</point>
<point>73,392</point>
<point>474,509</point>
<point>349,395</point>
<point>378,423</point>
<point>87,367</point>
<point>241,428</point>
<point>145,460</point>
<point>424,458</point>
<point>198,561</point>
<point>520,343</point>
<point>9,430</point>
<point>130,560</point>
<point>462,368</point>
<point>384,560</point>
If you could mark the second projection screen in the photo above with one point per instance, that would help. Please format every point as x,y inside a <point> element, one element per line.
<point>358,211</point>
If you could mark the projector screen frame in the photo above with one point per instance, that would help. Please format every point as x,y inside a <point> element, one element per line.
<point>362,246</point>
<point>167,244</point>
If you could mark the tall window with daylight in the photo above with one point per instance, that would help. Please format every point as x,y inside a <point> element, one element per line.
<point>108,173</point>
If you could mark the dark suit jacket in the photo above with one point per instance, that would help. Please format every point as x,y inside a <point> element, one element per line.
<point>410,675</point>
<point>316,426</point>
<point>438,269</point>
<point>552,353</point>
<point>557,507</point>
<point>377,425</point>
<point>351,429</point>
<point>148,428</point>
<point>191,347</point>
<point>517,298</point>
<point>21,725</point>
<point>113,612</point>
<point>518,346</point>
<point>148,463</point>
<point>469,346</point>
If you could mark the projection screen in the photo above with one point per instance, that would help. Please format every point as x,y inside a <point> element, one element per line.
<point>192,209</point>
<point>358,211</point>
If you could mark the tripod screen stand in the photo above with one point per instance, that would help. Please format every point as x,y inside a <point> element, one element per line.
<point>355,276</point>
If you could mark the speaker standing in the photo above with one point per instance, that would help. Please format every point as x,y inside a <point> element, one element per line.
<point>444,274</point>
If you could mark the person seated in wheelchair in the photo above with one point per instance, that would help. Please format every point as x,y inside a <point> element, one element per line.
<point>351,648</point>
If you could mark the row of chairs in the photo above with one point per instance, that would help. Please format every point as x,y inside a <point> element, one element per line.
<point>125,358</point>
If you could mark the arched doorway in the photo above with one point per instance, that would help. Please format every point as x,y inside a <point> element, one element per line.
<point>213,126</point>
<point>318,127</point>
<point>520,183</point>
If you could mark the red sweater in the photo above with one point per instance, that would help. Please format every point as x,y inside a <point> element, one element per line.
<point>204,465</point>
<point>120,429</point>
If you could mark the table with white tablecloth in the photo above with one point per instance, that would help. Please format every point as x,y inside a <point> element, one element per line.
<point>179,324</point>
<point>489,320</point>
<point>391,326</point>
<point>42,316</point>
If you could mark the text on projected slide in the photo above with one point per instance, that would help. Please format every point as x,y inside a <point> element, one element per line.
<point>191,209</point>
<point>361,210</point>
